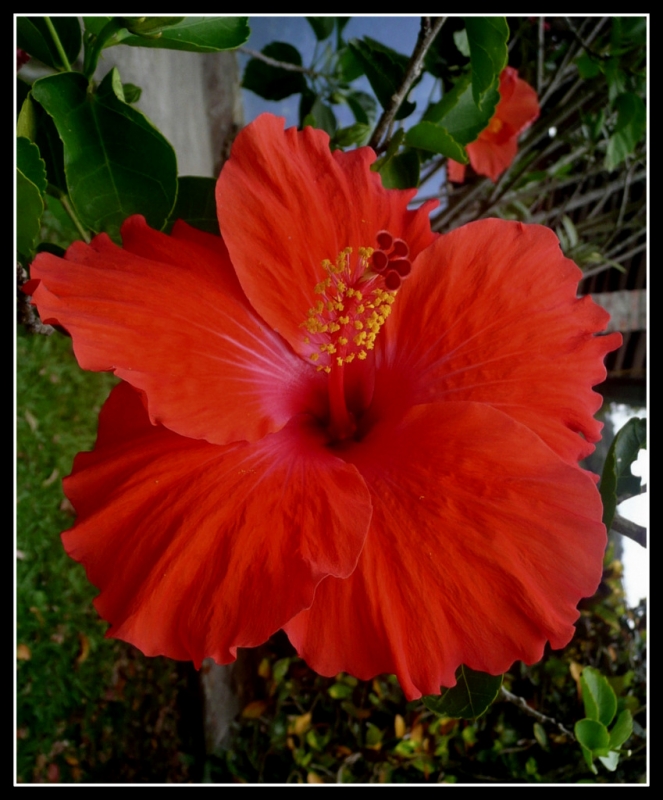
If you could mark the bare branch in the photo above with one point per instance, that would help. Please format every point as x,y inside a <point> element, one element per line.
<point>426,38</point>
<point>279,64</point>
<point>629,529</point>
<point>522,704</point>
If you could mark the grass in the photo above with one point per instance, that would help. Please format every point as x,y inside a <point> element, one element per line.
<point>88,708</point>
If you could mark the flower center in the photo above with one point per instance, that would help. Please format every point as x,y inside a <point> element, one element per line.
<point>356,296</point>
<point>495,125</point>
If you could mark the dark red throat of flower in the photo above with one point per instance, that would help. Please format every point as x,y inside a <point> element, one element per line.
<point>356,296</point>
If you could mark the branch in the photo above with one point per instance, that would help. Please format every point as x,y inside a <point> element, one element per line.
<point>522,704</point>
<point>427,35</point>
<point>629,529</point>
<point>280,64</point>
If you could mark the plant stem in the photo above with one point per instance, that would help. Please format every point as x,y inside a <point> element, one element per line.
<point>426,38</point>
<point>58,44</point>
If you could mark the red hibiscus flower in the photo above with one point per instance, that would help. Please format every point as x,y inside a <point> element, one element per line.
<point>492,153</point>
<point>339,425</point>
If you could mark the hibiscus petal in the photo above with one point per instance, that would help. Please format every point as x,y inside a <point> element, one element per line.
<point>167,314</point>
<point>490,314</point>
<point>481,544</point>
<point>286,203</point>
<point>199,549</point>
<point>518,106</point>
<point>455,171</point>
<point>492,158</point>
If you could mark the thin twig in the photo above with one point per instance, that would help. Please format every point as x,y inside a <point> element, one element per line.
<point>522,704</point>
<point>426,38</point>
<point>280,64</point>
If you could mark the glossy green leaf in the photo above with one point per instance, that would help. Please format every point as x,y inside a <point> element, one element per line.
<point>630,128</point>
<point>621,730</point>
<point>198,35</point>
<point>275,83</point>
<point>598,697</point>
<point>469,698</point>
<point>593,735</point>
<point>31,164</point>
<point>617,480</point>
<point>29,208</point>
<point>401,171</point>
<point>116,162</point>
<point>458,113</point>
<point>432,137</point>
<point>363,106</point>
<point>322,26</point>
<point>487,38</point>
<point>196,204</point>
<point>33,36</point>
<point>385,69</point>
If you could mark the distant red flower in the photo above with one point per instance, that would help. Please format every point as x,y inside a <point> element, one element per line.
<point>21,58</point>
<point>376,451</point>
<point>492,153</point>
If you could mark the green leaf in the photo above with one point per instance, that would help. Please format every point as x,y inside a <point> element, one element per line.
<point>275,83</point>
<point>593,735</point>
<point>462,43</point>
<point>487,38</point>
<point>458,113</point>
<point>621,730</point>
<point>349,68</point>
<point>588,67</point>
<point>385,69</point>
<point>198,35</point>
<point>630,128</point>
<point>26,124</point>
<point>617,480</point>
<point>322,26</point>
<point>432,137</point>
<point>33,36</point>
<point>401,171</point>
<point>598,697</point>
<point>116,162</point>
<point>150,26</point>
<point>354,134</point>
<point>340,691</point>
<point>363,106</point>
<point>469,698</point>
<point>196,204</point>
<point>31,164</point>
<point>321,116</point>
<point>29,208</point>
<point>131,92</point>
<point>50,147</point>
